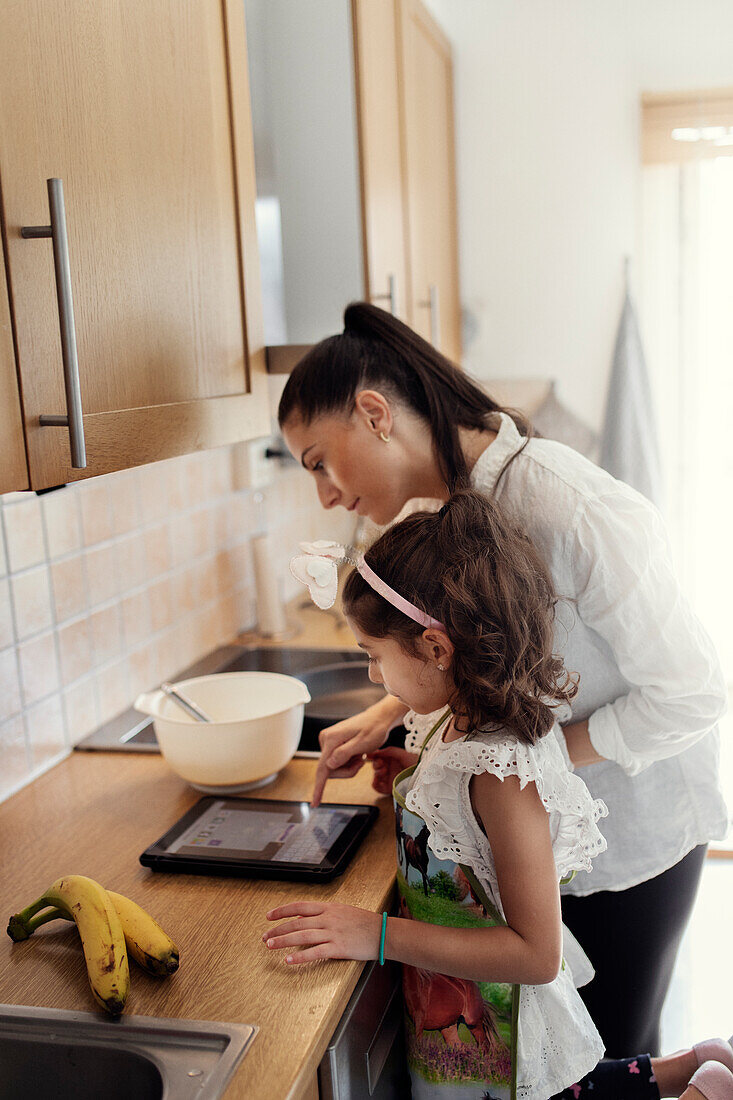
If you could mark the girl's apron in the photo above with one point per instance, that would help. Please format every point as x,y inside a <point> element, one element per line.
<point>461,1034</point>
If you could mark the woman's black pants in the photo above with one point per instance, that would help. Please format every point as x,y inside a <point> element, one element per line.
<point>631,937</point>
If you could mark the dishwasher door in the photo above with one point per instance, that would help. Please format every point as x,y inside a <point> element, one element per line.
<point>366,1056</point>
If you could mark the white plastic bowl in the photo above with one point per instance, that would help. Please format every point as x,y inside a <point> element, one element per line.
<point>256,720</point>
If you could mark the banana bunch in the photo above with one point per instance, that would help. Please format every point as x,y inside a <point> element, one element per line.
<point>109,925</point>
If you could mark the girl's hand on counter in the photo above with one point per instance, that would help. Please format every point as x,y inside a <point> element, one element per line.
<point>344,744</point>
<point>388,763</point>
<point>325,931</point>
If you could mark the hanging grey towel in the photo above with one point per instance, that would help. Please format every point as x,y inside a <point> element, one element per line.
<point>629,440</point>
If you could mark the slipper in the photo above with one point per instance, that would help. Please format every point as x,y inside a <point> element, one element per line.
<point>714,1081</point>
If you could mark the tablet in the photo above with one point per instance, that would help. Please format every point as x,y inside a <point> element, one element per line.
<point>262,838</point>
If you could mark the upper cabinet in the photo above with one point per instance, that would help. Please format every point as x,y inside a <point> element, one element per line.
<point>353,119</point>
<point>381,154</point>
<point>142,111</point>
<point>429,158</point>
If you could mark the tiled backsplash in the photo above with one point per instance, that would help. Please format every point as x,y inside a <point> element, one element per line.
<point>111,585</point>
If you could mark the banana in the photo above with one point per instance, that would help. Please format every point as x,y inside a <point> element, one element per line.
<point>100,930</point>
<point>145,940</point>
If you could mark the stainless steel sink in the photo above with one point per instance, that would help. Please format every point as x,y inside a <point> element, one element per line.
<point>81,1056</point>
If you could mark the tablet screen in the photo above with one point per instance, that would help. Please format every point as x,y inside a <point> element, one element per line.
<point>274,831</point>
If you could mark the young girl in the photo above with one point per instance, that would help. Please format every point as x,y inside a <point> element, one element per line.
<point>455,611</point>
<point>379,417</point>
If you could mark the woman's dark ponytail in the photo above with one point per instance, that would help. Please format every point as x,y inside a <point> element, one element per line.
<point>378,351</point>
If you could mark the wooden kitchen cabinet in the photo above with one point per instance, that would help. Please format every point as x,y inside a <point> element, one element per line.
<point>366,212</point>
<point>380,130</point>
<point>404,80</point>
<point>430,185</point>
<point>142,109</point>
<point>13,468</point>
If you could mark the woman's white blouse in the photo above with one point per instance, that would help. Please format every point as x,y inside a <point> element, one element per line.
<point>557,1041</point>
<point>650,682</point>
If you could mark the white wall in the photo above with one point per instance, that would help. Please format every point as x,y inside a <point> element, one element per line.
<point>547,121</point>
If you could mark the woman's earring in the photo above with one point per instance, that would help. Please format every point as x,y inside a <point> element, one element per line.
<point>383,437</point>
<point>441,668</point>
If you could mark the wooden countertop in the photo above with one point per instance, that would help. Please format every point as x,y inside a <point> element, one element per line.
<point>93,814</point>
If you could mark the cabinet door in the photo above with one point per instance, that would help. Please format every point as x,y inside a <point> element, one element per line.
<point>427,73</point>
<point>141,108</point>
<point>13,468</point>
<point>380,154</point>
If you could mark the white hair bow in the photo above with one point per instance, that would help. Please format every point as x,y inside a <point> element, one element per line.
<point>317,568</point>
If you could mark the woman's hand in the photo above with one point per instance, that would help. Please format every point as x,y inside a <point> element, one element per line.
<point>388,763</point>
<point>344,744</point>
<point>325,931</point>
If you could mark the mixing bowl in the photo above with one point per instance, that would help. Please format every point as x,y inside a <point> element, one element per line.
<point>256,720</point>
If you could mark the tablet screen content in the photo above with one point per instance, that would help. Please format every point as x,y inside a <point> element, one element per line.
<point>295,834</point>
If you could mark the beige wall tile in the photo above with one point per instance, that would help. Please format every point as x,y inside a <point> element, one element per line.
<point>203,533</point>
<point>182,589</point>
<point>3,556</point>
<point>218,473</point>
<point>152,488</point>
<point>173,614</point>
<point>7,634</point>
<point>15,757</point>
<point>131,562</point>
<point>68,582</point>
<point>106,628</point>
<point>62,518</point>
<point>32,601</point>
<point>103,577</point>
<point>96,511</point>
<point>75,650</point>
<point>136,619</point>
<point>177,495</point>
<point>24,533</point>
<point>226,579</point>
<point>161,604</point>
<point>113,684</point>
<point>183,537</point>
<point>193,479</point>
<point>157,551</point>
<point>142,670</point>
<point>45,724</point>
<point>169,659</point>
<point>124,498</point>
<point>39,673</point>
<point>9,684</point>
<point>206,580</point>
<point>81,709</point>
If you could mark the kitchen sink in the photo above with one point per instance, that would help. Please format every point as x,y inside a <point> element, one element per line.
<point>337,679</point>
<point>81,1056</point>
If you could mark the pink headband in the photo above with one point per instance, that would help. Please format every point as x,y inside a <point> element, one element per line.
<point>316,568</point>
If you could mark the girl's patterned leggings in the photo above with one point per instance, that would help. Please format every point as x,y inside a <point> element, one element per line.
<point>616,1079</point>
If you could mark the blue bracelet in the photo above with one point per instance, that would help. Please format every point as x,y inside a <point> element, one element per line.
<point>381,938</point>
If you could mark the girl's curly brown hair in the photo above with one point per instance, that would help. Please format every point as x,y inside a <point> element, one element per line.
<point>472,569</point>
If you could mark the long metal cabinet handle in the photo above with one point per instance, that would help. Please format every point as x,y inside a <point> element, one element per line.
<point>433,304</point>
<point>57,231</point>
<point>390,296</point>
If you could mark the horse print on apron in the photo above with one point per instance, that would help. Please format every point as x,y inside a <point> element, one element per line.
<point>461,1034</point>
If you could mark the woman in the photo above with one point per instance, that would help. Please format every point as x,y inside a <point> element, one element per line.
<point>379,417</point>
